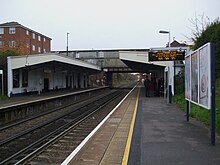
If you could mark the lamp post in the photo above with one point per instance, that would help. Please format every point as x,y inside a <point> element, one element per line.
<point>165,32</point>
<point>67,35</point>
<point>168,86</point>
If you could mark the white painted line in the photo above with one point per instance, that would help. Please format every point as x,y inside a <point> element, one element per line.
<point>73,154</point>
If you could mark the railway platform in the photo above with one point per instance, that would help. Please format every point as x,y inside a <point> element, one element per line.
<point>24,99</point>
<point>148,131</point>
<point>31,97</point>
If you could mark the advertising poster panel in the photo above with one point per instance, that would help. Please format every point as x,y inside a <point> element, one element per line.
<point>204,76</point>
<point>198,76</point>
<point>194,77</point>
<point>200,72</point>
<point>187,78</point>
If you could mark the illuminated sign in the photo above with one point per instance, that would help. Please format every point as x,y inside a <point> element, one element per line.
<point>166,55</point>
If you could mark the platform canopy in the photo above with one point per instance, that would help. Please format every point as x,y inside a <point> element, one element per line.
<point>138,61</point>
<point>51,60</point>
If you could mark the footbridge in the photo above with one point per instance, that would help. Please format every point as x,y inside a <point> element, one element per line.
<point>130,61</point>
<point>120,60</point>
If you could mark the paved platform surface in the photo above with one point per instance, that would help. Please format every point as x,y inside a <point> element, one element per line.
<point>107,146</point>
<point>31,97</point>
<point>161,137</point>
<point>26,98</point>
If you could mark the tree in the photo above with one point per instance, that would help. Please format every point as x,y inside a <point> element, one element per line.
<point>3,65</point>
<point>211,34</point>
<point>199,25</point>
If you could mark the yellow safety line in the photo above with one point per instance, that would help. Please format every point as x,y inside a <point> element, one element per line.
<point>128,145</point>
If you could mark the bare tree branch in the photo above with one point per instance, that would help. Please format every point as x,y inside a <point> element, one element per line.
<point>198,25</point>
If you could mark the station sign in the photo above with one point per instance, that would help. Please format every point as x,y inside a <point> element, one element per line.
<point>166,55</point>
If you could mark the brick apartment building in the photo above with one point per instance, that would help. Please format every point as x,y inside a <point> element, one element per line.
<point>23,40</point>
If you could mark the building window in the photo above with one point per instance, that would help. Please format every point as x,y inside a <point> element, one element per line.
<point>15,78</point>
<point>1,30</point>
<point>44,39</point>
<point>2,44</point>
<point>12,30</point>
<point>27,32</point>
<point>39,49</point>
<point>24,77</point>
<point>33,47</point>
<point>39,38</point>
<point>12,44</point>
<point>33,35</point>
<point>44,50</point>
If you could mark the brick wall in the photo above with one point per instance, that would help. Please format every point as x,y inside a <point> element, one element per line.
<point>24,41</point>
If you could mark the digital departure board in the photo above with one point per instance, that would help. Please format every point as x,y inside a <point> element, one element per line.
<point>166,55</point>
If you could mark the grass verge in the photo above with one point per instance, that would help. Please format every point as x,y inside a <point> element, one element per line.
<point>3,97</point>
<point>199,113</point>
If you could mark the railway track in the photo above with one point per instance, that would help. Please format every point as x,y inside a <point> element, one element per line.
<point>74,123</point>
<point>7,132</point>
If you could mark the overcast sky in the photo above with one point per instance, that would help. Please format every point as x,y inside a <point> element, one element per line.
<point>108,24</point>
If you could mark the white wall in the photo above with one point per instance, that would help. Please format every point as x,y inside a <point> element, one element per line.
<point>57,80</point>
<point>35,80</point>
